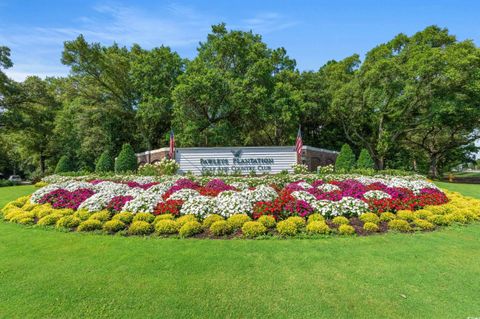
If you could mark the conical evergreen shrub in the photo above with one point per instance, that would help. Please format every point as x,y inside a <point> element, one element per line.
<point>365,160</point>
<point>345,160</point>
<point>126,160</point>
<point>105,163</point>
<point>64,165</point>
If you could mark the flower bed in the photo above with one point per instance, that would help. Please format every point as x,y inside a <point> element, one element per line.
<point>250,207</point>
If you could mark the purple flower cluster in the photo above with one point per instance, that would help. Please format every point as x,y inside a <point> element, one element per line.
<point>218,185</point>
<point>117,203</point>
<point>62,198</point>
<point>299,207</point>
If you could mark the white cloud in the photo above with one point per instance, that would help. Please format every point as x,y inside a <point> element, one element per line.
<point>268,22</point>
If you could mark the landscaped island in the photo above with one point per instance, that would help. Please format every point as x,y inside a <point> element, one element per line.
<point>251,207</point>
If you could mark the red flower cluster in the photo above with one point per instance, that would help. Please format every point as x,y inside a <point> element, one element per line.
<point>409,203</point>
<point>168,207</point>
<point>276,208</point>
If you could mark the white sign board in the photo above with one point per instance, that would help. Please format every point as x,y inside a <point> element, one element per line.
<point>229,160</point>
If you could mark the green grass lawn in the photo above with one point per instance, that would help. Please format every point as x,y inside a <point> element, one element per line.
<point>472,190</point>
<point>46,273</point>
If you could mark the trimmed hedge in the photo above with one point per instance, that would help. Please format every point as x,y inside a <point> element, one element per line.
<point>126,160</point>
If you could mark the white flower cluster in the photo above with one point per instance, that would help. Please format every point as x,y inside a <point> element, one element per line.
<point>304,185</point>
<point>376,195</point>
<point>160,188</point>
<point>230,203</point>
<point>301,195</point>
<point>74,185</point>
<point>200,206</point>
<point>328,188</point>
<point>262,193</point>
<point>184,194</point>
<point>145,202</point>
<point>346,206</point>
<point>111,187</point>
<point>414,185</point>
<point>97,201</point>
<point>240,185</point>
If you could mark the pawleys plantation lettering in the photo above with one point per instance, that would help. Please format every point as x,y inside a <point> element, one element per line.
<point>228,160</point>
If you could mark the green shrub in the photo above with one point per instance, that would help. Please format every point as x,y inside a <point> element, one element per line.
<point>315,218</point>
<point>190,229</point>
<point>103,215</point>
<point>346,230</point>
<point>126,160</point>
<point>253,229</point>
<point>105,163</point>
<point>221,228</point>
<point>19,216</point>
<point>207,222</point>
<point>267,221</point>
<point>124,217</point>
<point>64,165</point>
<point>400,225</point>
<point>345,160</point>
<point>90,225</point>
<point>423,224</point>
<point>166,227</point>
<point>370,227</point>
<point>49,220</point>
<point>82,214</point>
<point>144,217</point>
<point>365,161</point>
<point>422,214</point>
<point>68,222</point>
<point>287,228</point>
<point>440,220</point>
<point>370,218</point>
<point>297,220</point>
<point>340,220</point>
<point>140,228</point>
<point>236,221</point>
<point>407,215</point>
<point>457,218</point>
<point>26,221</point>
<point>317,227</point>
<point>182,220</point>
<point>163,217</point>
<point>114,225</point>
<point>387,216</point>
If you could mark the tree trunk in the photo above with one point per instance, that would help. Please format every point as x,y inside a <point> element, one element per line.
<point>42,163</point>
<point>379,162</point>
<point>433,169</point>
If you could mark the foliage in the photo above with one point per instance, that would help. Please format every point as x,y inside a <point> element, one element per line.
<point>267,221</point>
<point>113,226</point>
<point>105,163</point>
<point>124,217</point>
<point>64,165</point>
<point>166,227</point>
<point>346,230</point>
<point>146,217</point>
<point>298,221</point>
<point>400,225</point>
<point>221,228</point>
<point>318,227</point>
<point>102,216</point>
<point>387,216</point>
<point>370,218</point>
<point>237,221</point>
<point>182,220</point>
<point>300,169</point>
<point>287,228</point>
<point>68,222</point>
<point>207,222</point>
<point>126,160</point>
<point>190,228</point>
<point>90,225</point>
<point>140,228</point>
<point>340,220</point>
<point>345,160</point>
<point>370,227</point>
<point>364,160</point>
<point>423,224</point>
<point>253,229</point>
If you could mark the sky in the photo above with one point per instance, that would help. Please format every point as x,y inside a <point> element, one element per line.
<point>313,32</point>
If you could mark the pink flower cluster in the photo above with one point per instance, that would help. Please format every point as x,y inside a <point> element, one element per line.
<point>116,204</point>
<point>62,198</point>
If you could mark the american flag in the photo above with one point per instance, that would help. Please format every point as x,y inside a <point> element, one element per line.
<point>299,145</point>
<point>171,152</point>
